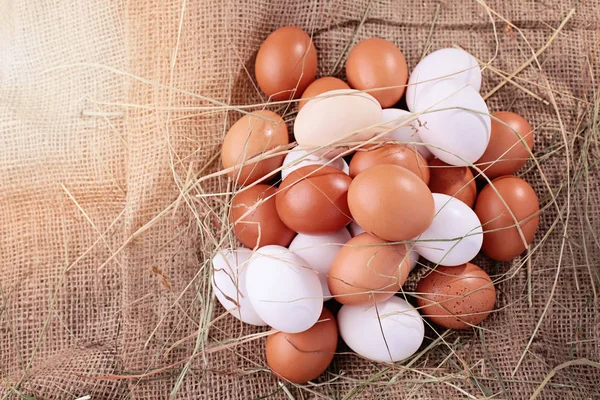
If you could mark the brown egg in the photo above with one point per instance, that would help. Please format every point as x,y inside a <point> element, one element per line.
<point>322,85</point>
<point>506,146</point>
<point>391,202</point>
<point>368,269</point>
<point>249,137</point>
<point>301,357</point>
<point>396,154</point>
<point>456,297</point>
<point>454,181</point>
<point>376,63</point>
<point>313,199</point>
<point>262,221</point>
<point>501,239</point>
<point>286,63</point>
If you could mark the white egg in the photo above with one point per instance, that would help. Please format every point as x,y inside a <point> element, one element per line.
<point>325,287</point>
<point>298,158</point>
<point>455,123</point>
<point>285,293</point>
<point>407,133</point>
<point>389,332</point>
<point>356,230</point>
<point>455,235</point>
<point>441,64</point>
<point>229,284</point>
<point>319,251</point>
<point>337,116</point>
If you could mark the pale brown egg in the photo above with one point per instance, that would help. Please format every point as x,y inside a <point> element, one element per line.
<point>506,152</point>
<point>301,357</point>
<point>378,63</point>
<point>401,155</point>
<point>367,270</point>
<point>319,86</point>
<point>501,238</point>
<point>391,202</point>
<point>286,63</point>
<point>249,137</point>
<point>454,181</point>
<point>456,297</point>
<point>255,220</point>
<point>314,199</point>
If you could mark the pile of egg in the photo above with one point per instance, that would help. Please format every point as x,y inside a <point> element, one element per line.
<point>353,231</point>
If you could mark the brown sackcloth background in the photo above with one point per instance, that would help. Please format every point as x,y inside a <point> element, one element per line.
<point>98,248</point>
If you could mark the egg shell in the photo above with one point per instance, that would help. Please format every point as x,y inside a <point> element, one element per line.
<point>501,239</point>
<point>284,292</point>
<point>389,332</point>
<point>249,137</point>
<point>390,202</point>
<point>298,158</point>
<point>313,200</point>
<point>356,230</point>
<point>377,63</point>
<point>444,63</point>
<point>457,182</point>
<point>379,153</point>
<point>319,252</point>
<point>229,284</point>
<point>337,116</point>
<point>453,220</point>
<point>511,140</point>
<point>286,63</point>
<point>368,269</point>
<point>321,85</point>
<point>254,216</point>
<point>455,124</point>
<point>408,133</point>
<point>456,297</point>
<point>301,357</point>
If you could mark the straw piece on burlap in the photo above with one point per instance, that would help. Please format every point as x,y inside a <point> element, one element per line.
<point>98,248</point>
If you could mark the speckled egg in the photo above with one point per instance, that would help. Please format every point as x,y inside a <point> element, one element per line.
<point>456,297</point>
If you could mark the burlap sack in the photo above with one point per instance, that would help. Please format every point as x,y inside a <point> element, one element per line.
<point>105,121</point>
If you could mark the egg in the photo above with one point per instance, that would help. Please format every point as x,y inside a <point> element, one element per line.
<point>313,200</point>
<point>229,284</point>
<point>456,297</point>
<point>368,269</point>
<point>454,181</point>
<point>406,134</point>
<point>249,137</point>
<point>378,63</point>
<point>455,235</point>
<point>444,63</point>
<point>501,239</point>
<point>511,141</point>
<point>319,86</point>
<point>298,158</point>
<point>379,153</point>
<point>391,331</point>
<point>254,217</point>
<point>284,292</point>
<point>390,202</point>
<point>286,63</point>
<point>301,357</point>
<point>454,121</point>
<point>337,117</point>
<point>319,252</point>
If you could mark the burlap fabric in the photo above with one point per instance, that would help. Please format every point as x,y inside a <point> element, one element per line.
<point>101,258</point>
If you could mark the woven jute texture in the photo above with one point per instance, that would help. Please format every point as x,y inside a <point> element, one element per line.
<point>109,110</point>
